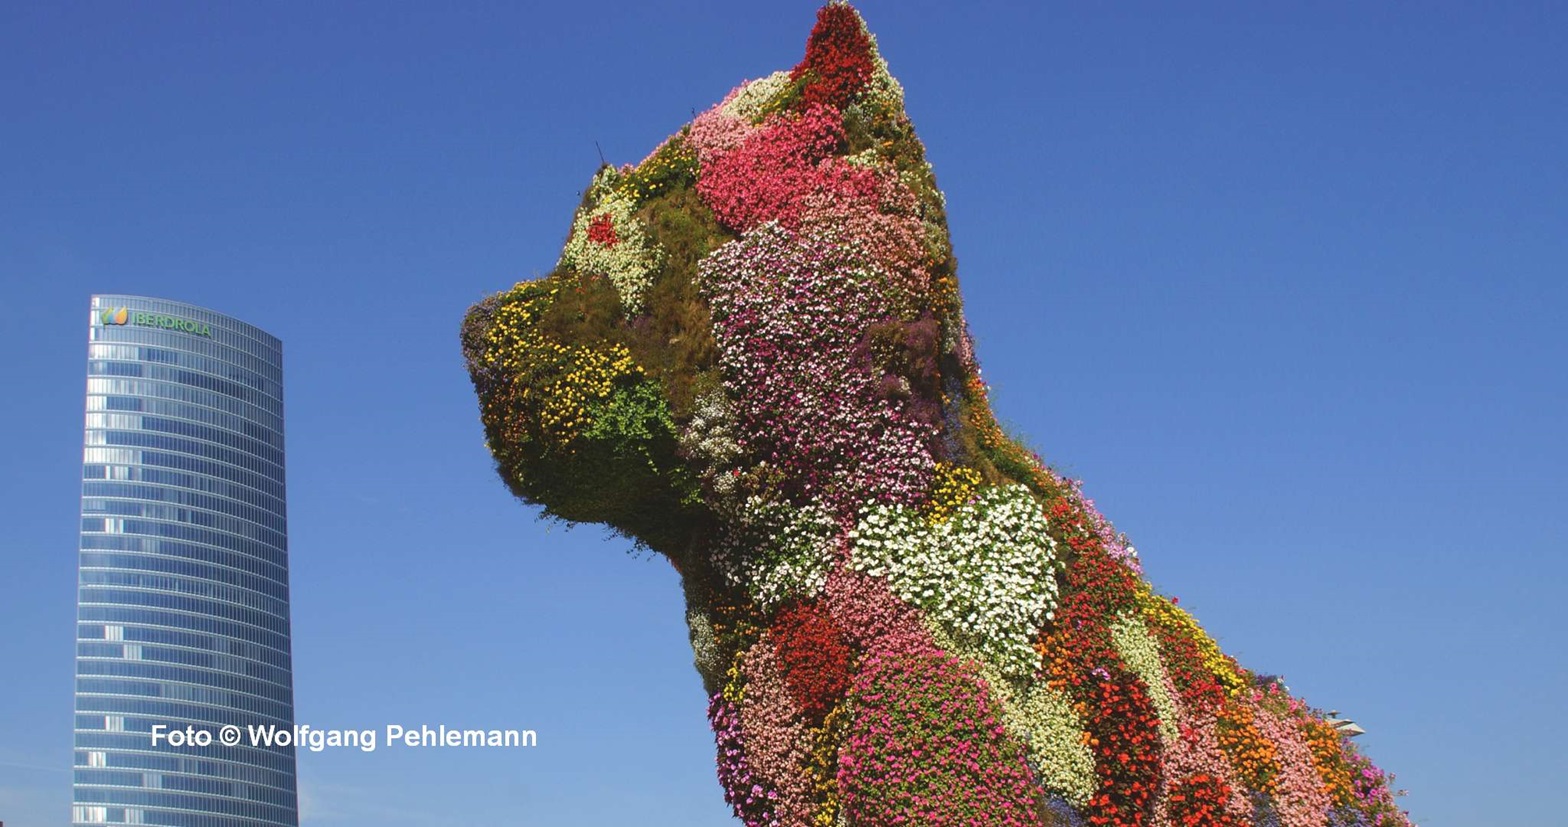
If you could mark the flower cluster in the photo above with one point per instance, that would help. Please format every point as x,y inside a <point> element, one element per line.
<point>705,647</point>
<point>1200,801</point>
<point>1372,794</point>
<point>609,240</point>
<point>1059,752</point>
<point>788,315</point>
<point>724,127</point>
<point>511,339</point>
<point>709,441</point>
<point>879,229</point>
<point>1253,755</point>
<point>1200,671</point>
<point>557,384</point>
<point>670,167</point>
<point>987,573</point>
<point>953,486</point>
<point>718,131</point>
<point>601,231</point>
<point>925,747</point>
<point>753,101</point>
<point>1328,755</point>
<point>753,803</point>
<point>778,743</point>
<point>1197,754</point>
<point>815,658</point>
<point>1123,728</point>
<point>838,57</point>
<point>765,177</point>
<point>823,766</point>
<point>1299,797</point>
<point>871,617</point>
<point>1142,655</point>
<point>775,551</point>
<point>1114,542</point>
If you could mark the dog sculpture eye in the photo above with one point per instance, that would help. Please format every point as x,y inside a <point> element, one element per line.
<point>751,357</point>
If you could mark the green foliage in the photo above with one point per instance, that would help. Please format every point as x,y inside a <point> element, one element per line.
<point>634,423</point>
<point>674,341</point>
<point>622,470</point>
<point>672,166</point>
<point>787,98</point>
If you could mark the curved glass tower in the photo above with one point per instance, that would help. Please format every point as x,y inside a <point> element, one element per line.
<point>183,617</point>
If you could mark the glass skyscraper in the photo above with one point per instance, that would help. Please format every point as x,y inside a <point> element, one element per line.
<point>183,617</point>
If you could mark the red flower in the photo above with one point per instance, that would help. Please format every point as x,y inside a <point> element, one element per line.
<point>815,657</point>
<point>601,230</point>
<point>838,57</point>
<point>1081,657</point>
<point>1200,800</point>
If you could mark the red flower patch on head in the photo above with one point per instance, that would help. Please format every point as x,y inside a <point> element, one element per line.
<point>838,57</point>
<point>601,230</point>
<point>815,657</point>
<point>778,168</point>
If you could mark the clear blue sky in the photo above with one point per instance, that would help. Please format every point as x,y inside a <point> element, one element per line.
<point>1285,284</point>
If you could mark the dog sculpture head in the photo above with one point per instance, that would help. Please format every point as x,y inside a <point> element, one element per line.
<point>751,357</point>
<point>763,308</point>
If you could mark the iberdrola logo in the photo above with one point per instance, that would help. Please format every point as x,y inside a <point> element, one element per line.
<point>123,315</point>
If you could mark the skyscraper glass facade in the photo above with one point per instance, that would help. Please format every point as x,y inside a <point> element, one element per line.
<point>183,615</point>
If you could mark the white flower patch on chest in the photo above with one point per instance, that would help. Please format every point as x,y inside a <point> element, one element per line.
<point>987,574</point>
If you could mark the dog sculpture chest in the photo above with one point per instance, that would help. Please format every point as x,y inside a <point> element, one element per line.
<point>751,358</point>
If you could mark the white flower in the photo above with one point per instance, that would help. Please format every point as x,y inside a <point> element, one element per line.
<point>1142,654</point>
<point>629,263</point>
<point>988,573</point>
<point>776,551</point>
<point>747,101</point>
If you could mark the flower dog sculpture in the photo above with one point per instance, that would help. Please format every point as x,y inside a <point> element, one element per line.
<point>751,359</point>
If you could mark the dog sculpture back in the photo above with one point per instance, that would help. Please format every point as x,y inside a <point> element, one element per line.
<point>751,358</point>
